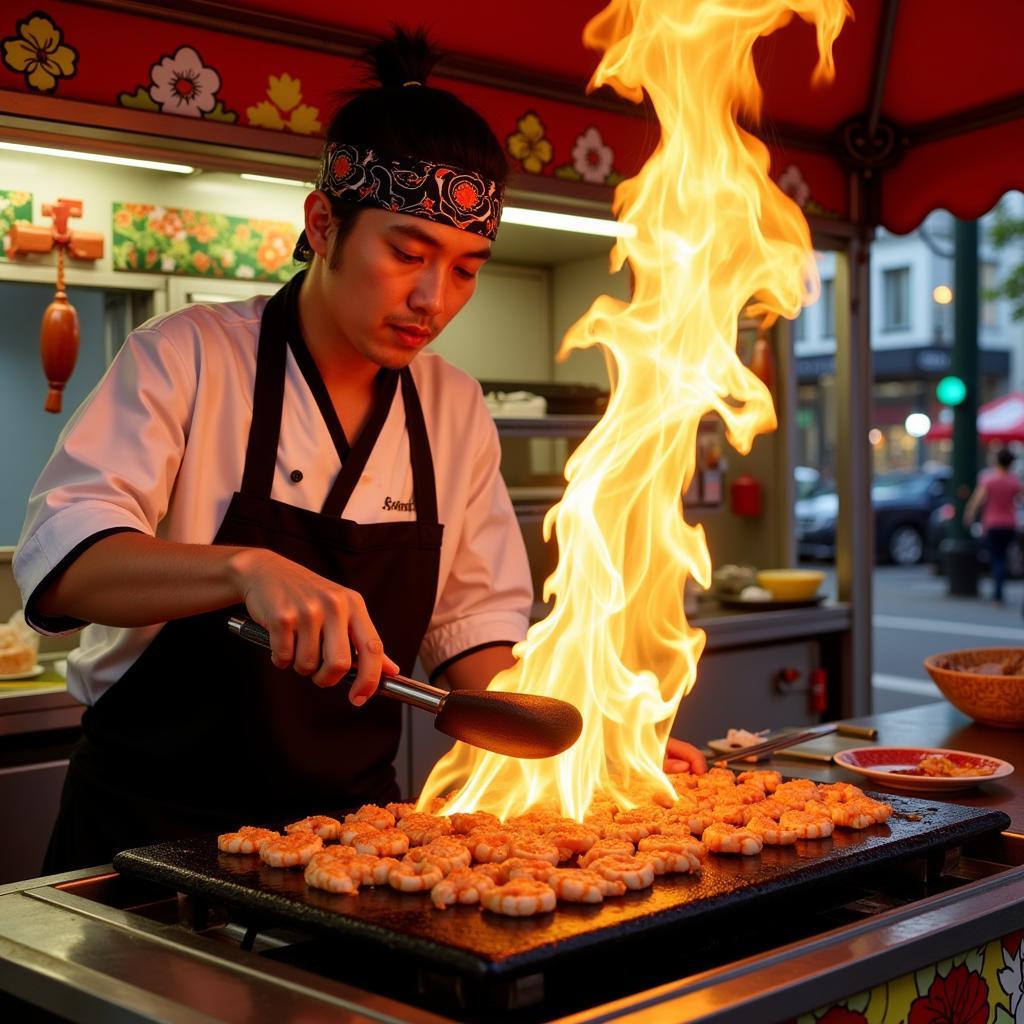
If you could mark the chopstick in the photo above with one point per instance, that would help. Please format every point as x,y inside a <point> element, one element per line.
<point>789,739</point>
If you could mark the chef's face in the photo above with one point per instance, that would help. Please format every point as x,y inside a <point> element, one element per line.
<point>394,282</point>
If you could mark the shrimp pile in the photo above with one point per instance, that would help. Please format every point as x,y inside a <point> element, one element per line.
<point>530,863</point>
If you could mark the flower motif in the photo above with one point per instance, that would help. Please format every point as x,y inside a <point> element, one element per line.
<point>273,251</point>
<point>792,183</point>
<point>841,1015</point>
<point>285,98</point>
<point>591,158</point>
<point>529,145</point>
<point>37,52</point>
<point>465,195</point>
<point>183,85</point>
<point>959,998</point>
<point>1011,978</point>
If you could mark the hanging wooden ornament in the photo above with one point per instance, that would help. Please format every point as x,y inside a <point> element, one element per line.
<point>58,337</point>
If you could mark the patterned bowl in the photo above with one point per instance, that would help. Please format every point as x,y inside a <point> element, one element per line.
<point>989,699</point>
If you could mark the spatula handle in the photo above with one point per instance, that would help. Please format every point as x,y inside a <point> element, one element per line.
<point>409,691</point>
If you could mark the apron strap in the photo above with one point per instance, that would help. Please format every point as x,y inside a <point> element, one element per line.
<point>423,484</point>
<point>268,393</point>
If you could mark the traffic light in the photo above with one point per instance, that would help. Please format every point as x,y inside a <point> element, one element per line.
<point>951,391</point>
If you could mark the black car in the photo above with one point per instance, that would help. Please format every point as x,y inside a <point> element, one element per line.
<point>903,503</point>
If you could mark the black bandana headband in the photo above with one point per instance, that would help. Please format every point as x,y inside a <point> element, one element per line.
<point>439,192</point>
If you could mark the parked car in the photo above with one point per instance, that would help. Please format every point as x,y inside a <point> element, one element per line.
<point>938,528</point>
<point>903,503</point>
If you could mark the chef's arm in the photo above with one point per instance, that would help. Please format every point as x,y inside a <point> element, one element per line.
<point>474,671</point>
<point>132,579</point>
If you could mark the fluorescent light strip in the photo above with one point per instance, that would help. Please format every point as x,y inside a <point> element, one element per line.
<point>99,158</point>
<point>567,222</point>
<point>277,181</point>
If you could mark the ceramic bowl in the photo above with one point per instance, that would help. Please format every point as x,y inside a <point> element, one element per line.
<point>791,584</point>
<point>989,699</point>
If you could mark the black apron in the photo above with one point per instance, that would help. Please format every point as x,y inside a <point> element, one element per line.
<point>202,733</point>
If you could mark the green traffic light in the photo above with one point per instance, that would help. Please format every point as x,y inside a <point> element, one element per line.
<point>951,391</point>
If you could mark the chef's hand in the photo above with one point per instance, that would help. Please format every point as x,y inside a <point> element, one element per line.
<point>684,757</point>
<point>314,624</point>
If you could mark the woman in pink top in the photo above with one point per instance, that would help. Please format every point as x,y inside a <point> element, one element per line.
<point>997,493</point>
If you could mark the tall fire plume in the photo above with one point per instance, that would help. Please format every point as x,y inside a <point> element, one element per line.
<point>709,236</point>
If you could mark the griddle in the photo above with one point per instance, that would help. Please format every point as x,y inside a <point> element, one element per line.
<point>477,944</point>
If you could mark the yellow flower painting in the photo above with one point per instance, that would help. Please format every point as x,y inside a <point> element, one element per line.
<point>39,53</point>
<point>529,146</point>
<point>283,109</point>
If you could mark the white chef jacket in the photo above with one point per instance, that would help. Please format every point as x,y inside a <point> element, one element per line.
<point>159,447</point>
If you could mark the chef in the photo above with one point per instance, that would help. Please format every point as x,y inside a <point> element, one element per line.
<point>301,459</point>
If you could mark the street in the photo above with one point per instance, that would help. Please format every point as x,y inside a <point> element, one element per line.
<point>914,616</point>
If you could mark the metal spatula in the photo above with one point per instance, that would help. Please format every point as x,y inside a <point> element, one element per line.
<point>516,724</point>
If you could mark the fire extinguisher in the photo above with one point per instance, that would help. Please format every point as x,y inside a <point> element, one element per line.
<point>745,496</point>
<point>819,691</point>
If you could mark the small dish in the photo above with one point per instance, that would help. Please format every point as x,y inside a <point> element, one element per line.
<point>36,670</point>
<point>893,767</point>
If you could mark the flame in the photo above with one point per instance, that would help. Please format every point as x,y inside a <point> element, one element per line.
<point>710,230</point>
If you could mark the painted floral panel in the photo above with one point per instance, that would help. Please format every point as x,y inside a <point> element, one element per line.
<point>163,239</point>
<point>14,207</point>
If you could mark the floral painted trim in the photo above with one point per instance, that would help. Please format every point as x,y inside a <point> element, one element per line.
<point>15,207</point>
<point>37,52</point>
<point>159,239</point>
<point>283,109</point>
<point>181,84</point>
<point>528,145</point>
<point>981,986</point>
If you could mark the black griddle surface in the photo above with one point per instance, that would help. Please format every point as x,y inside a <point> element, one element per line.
<point>470,941</point>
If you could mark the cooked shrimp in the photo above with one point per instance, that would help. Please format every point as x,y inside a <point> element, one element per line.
<point>388,842</point>
<point>632,831</point>
<point>807,824</point>
<point>490,846</point>
<point>332,875</point>
<point>412,877</point>
<point>570,839</point>
<point>839,792</point>
<point>497,873</point>
<point>318,824</point>
<point>772,832</point>
<point>424,828</point>
<point>335,852</point>
<point>766,779</point>
<point>607,848</point>
<point>772,808</point>
<point>534,847</point>
<point>745,793</point>
<point>796,792</point>
<point>673,856</point>
<point>447,852</point>
<point>682,781</point>
<point>463,824</point>
<point>353,832</point>
<point>400,810</point>
<point>528,867</point>
<point>860,812</point>
<point>722,838</point>
<point>521,897</point>
<point>370,870</point>
<point>246,840</point>
<point>637,871</point>
<point>576,885</point>
<point>462,886</point>
<point>378,817</point>
<point>290,851</point>
<point>732,813</point>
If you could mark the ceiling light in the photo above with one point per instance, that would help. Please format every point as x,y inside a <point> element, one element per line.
<point>99,158</point>
<point>567,222</point>
<point>277,181</point>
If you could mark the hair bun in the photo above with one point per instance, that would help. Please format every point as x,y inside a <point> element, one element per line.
<point>404,57</point>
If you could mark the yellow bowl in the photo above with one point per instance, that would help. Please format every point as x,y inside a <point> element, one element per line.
<point>791,584</point>
<point>989,700</point>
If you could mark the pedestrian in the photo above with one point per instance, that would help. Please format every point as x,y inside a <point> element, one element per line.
<point>304,461</point>
<point>997,494</point>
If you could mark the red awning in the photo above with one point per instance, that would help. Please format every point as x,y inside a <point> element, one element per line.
<point>1002,419</point>
<point>927,108</point>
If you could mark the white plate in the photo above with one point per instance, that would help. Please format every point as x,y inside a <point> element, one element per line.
<point>37,670</point>
<point>887,765</point>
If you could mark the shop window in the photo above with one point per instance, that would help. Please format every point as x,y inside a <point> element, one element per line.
<point>896,299</point>
<point>827,305</point>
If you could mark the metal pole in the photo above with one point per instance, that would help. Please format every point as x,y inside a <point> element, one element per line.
<point>958,548</point>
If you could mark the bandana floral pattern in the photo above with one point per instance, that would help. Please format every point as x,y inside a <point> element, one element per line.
<point>439,192</point>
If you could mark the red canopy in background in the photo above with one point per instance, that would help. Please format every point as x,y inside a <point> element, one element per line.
<point>926,112</point>
<point>1002,419</point>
